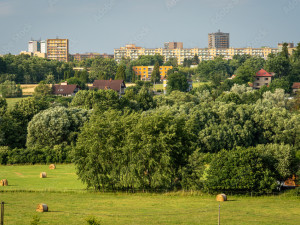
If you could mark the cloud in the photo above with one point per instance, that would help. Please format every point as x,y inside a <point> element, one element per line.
<point>6,9</point>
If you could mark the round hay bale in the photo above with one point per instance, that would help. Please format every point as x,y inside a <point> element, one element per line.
<point>43,175</point>
<point>221,197</point>
<point>4,182</point>
<point>42,208</point>
<point>52,167</point>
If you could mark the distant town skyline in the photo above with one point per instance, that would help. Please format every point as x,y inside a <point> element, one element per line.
<point>102,26</point>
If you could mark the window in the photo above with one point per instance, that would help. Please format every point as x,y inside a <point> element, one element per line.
<point>257,78</point>
<point>266,84</point>
<point>266,78</point>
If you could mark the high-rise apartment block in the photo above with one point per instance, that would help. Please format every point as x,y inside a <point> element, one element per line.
<point>43,47</point>
<point>34,46</point>
<point>58,49</point>
<point>134,52</point>
<point>173,45</point>
<point>218,40</point>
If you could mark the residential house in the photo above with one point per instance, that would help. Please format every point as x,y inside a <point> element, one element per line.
<point>65,89</point>
<point>296,87</point>
<point>262,78</point>
<point>116,85</point>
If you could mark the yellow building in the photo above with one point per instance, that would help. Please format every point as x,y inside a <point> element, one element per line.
<point>58,49</point>
<point>144,72</point>
<point>37,54</point>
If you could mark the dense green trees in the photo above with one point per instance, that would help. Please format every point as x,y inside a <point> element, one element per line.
<point>191,142</point>
<point>25,69</point>
<point>97,99</point>
<point>240,170</point>
<point>103,69</point>
<point>9,89</point>
<point>42,90</point>
<point>171,62</point>
<point>208,70</point>
<point>177,81</point>
<point>55,126</point>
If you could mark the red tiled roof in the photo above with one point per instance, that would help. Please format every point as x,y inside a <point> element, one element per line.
<point>263,73</point>
<point>108,84</point>
<point>64,89</point>
<point>296,85</point>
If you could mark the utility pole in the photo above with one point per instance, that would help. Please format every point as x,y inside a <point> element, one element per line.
<point>2,213</point>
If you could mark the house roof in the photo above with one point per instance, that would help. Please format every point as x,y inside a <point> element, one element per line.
<point>108,84</point>
<point>263,73</point>
<point>296,85</point>
<point>64,89</point>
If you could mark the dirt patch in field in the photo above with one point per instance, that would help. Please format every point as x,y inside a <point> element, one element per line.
<point>19,174</point>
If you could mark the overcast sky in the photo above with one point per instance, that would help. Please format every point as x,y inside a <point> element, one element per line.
<point>102,25</point>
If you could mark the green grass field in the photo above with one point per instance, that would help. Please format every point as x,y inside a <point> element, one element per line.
<point>12,101</point>
<point>195,85</point>
<point>70,203</point>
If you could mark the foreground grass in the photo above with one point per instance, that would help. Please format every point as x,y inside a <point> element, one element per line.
<point>69,203</point>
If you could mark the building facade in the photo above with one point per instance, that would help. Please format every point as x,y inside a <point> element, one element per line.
<point>144,72</point>
<point>58,49</point>
<point>34,46</point>
<point>173,45</point>
<point>43,46</point>
<point>80,57</point>
<point>262,78</point>
<point>134,52</point>
<point>218,40</point>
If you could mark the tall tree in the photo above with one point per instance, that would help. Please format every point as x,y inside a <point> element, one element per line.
<point>285,51</point>
<point>172,62</point>
<point>155,76</point>
<point>195,60</point>
<point>121,75</point>
<point>9,89</point>
<point>177,81</point>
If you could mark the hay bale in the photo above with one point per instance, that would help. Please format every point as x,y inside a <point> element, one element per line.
<point>43,175</point>
<point>42,208</point>
<point>4,182</point>
<point>52,167</point>
<point>221,197</point>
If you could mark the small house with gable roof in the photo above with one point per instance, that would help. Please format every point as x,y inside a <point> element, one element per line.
<point>65,89</point>
<point>116,85</point>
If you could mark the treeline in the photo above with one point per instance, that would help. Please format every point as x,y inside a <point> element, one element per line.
<point>241,140</point>
<point>189,142</point>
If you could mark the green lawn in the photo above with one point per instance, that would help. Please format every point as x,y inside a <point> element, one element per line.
<point>195,85</point>
<point>21,178</point>
<point>12,101</point>
<point>69,203</point>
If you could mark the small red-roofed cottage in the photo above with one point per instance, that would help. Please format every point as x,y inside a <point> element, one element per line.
<point>262,78</point>
<point>296,86</point>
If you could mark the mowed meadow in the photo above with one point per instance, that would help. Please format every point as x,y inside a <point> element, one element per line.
<point>70,202</point>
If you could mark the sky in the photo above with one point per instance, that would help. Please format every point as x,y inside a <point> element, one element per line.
<point>103,25</point>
